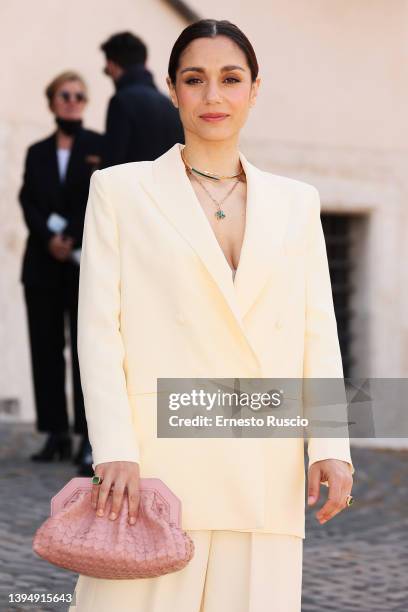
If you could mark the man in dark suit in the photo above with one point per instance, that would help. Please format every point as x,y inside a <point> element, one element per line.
<point>53,198</point>
<point>141,123</point>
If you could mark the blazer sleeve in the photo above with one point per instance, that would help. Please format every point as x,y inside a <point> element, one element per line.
<point>322,355</point>
<point>35,219</point>
<point>101,350</point>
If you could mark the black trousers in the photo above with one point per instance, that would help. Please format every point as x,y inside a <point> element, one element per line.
<point>47,310</point>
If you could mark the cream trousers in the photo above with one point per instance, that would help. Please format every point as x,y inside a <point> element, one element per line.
<point>231,571</point>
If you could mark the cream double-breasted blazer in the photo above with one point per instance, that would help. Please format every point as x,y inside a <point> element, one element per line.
<point>157,299</point>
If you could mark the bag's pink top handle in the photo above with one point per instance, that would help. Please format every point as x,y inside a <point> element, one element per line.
<point>80,484</point>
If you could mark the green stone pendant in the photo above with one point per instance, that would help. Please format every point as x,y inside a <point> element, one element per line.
<point>220,214</point>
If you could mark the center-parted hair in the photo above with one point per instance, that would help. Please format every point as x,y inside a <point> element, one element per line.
<point>210,28</point>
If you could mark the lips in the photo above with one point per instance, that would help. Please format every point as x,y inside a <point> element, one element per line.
<point>213,116</point>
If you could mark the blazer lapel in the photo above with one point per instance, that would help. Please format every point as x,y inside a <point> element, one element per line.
<point>51,161</point>
<point>267,221</point>
<point>267,216</point>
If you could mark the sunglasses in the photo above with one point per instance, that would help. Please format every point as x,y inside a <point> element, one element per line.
<point>67,96</point>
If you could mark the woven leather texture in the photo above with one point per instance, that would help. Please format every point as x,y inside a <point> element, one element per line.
<point>77,539</point>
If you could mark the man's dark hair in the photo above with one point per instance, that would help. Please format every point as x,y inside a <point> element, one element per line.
<point>125,49</point>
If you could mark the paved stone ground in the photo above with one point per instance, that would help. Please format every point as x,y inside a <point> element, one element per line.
<point>358,561</point>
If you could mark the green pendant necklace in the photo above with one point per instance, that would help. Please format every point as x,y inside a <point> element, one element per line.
<point>220,214</point>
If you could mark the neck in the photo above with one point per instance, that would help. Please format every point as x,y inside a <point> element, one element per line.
<point>137,73</point>
<point>118,74</point>
<point>217,157</point>
<point>64,141</point>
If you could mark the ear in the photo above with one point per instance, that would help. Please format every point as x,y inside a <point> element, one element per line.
<point>115,71</point>
<point>172,92</point>
<point>254,91</point>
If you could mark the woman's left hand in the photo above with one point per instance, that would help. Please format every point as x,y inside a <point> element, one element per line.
<point>340,482</point>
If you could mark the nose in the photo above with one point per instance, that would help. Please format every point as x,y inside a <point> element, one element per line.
<point>212,93</point>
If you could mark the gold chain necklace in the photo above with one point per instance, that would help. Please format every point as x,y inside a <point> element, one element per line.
<point>220,214</point>
<point>206,174</point>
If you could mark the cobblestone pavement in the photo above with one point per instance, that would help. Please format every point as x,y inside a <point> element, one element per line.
<point>358,561</point>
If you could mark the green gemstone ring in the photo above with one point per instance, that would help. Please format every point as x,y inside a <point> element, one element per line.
<point>96,480</point>
<point>349,500</point>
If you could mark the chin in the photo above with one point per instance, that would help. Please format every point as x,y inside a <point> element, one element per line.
<point>215,135</point>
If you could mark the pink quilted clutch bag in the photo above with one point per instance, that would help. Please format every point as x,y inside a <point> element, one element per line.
<point>74,538</point>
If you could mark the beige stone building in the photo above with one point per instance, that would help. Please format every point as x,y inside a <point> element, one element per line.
<point>332,111</point>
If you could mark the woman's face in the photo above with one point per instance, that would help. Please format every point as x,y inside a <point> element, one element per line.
<point>213,89</point>
<point>69,100</point>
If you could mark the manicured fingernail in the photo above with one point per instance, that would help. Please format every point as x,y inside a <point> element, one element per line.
<point>132,520</point>
<point>100,512</point>
<point>310,499</point>
<point>112,515</point>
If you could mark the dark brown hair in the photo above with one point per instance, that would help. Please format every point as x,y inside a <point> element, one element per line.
<point>210,28</point>
<point>125,49</point>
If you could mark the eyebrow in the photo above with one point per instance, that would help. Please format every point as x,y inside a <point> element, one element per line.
<point>201,70</point>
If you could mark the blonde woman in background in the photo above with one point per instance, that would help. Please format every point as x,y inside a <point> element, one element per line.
<point>53,199</point>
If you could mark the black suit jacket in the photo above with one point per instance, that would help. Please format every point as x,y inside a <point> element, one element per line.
<point>141,123</point>
<point>43,193</point>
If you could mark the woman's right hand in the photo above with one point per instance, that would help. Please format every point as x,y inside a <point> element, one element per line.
<point>60,247</point>
<point>123,478</point>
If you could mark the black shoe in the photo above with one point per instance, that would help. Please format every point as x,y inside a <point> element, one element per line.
<point>57,445</point>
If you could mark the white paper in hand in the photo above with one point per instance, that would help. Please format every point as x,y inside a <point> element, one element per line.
<point>56,223</point>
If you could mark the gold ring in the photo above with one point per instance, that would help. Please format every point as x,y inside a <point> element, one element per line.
<point>97,480</point>
<point>349,500</point>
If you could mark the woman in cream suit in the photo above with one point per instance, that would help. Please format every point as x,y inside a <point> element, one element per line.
<point>158,298</point>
